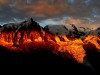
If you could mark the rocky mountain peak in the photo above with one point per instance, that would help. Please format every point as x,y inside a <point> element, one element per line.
<point>29,24</point>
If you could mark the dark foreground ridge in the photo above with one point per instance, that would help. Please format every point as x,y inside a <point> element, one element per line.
<point>42,61</point>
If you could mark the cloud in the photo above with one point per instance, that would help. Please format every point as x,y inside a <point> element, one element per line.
<point>42,8</point>
<point>79,23</point>
<point>49,9</point>
<point>52,21</point>
<point>4,2</point>
<point>54,8</point>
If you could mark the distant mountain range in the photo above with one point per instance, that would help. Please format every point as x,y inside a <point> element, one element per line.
<point>77,32</point>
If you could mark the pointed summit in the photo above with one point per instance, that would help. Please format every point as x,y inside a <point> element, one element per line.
<point>30,24</point>
<point>25,25</point>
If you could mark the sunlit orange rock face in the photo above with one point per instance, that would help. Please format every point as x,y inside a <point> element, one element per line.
<point>92,43</point>
<point>30,37</point>
<point>72,49</point>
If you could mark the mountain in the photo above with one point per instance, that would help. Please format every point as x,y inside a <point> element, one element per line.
<point>97,31</point>
<point>63,30</point>
<point>30,42</point>
<point>57,29</point>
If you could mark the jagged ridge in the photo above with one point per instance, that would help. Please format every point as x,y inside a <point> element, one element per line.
<point>29,36</point>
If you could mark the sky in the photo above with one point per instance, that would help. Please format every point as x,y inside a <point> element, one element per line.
<point>52,12</point>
